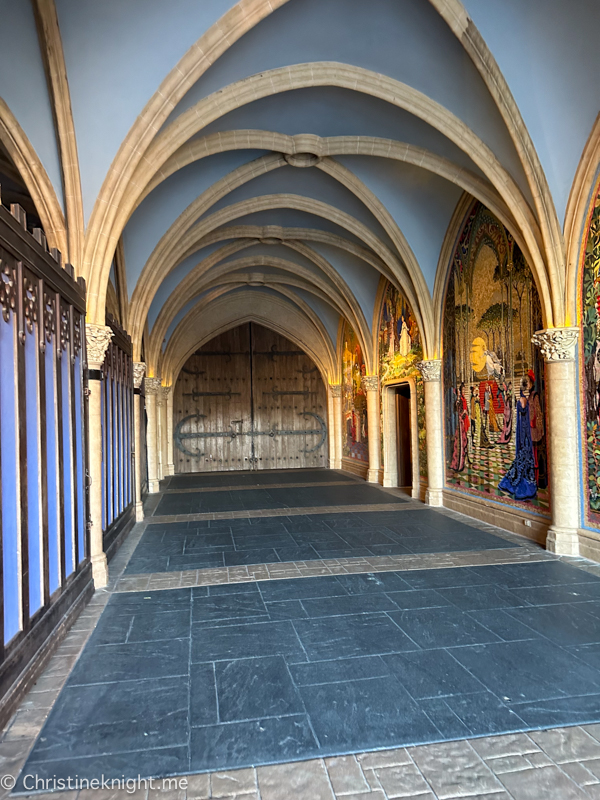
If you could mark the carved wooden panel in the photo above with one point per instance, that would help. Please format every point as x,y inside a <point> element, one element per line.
<point>249,399</point>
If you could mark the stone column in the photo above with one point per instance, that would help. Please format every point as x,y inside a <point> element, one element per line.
<point>371,387</point>
<point>335,425</point>
<point>330,436</point>
<point>434,426</point>
<point>97,339</point>
<point>558,347</point>
<point>139,370</point>
<point>161,447</point>
<point>169,431</point>
<point>152,390</point>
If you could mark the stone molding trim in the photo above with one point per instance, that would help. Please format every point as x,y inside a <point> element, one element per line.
<point>431,370</point>
<point>153,386</point>
<point>97,339</point>
<point>335,389</point>
<point>139,370</point>
<point>557,344</point>
<point>370,383</point>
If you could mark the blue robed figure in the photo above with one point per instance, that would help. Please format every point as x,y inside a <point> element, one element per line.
<point>520,480</point>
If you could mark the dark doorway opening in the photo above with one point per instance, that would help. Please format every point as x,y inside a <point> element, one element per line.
<point>403,437</point>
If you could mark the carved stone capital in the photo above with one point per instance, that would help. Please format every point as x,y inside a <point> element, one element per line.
<point>152,386</point>
<point>139,370</point>
<point>370,383</point>
<point>97,339</point>
<point>430,370</point>
<point>165,391</point>
<point>336,389</point>
<point>557,344</point>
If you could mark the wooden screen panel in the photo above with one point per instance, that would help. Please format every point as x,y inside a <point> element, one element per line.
<point>243,400</point>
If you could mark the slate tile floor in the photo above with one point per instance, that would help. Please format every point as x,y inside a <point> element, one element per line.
<point>255,478</point>
<point>228,676</point>
<point>170,547</point>
<point>268,499</point>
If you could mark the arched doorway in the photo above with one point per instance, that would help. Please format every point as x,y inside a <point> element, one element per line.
<point>249,399</point>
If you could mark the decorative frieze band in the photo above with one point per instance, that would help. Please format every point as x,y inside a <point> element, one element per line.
<point>336,389</point>
<point>152,386</point>
<point>370,383</point>
<point>139,370</point>
<point>97,339</point>
<point>430,370</point>
<point>557,344</point>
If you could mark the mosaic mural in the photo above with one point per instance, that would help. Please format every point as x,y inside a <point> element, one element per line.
<point>400,351</point>
<point>356,435</point>
<point>493,374</point>
<point>590,318</point>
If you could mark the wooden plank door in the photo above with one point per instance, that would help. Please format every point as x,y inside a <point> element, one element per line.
<point>289,398</point>
<point>244,401</point>
<point>212,406</point>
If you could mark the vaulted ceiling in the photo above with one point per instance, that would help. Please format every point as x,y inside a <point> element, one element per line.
<point>203,162</point>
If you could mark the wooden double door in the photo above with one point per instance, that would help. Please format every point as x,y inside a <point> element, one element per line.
<point>249,399</point>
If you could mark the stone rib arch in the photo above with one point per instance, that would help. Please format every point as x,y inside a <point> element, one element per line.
<point>455,15</point>
<point>341,174</point>
<point>357,79</point>
<point>577,217</point>
<point>155,270</point>
<point>206,321</point>
<point>200,279</point>
<point>35,178</point>
<point>200,56</point>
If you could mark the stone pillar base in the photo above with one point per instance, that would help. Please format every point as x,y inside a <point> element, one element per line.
<point>153,487</point>
<point>373,476</point>
<point>562,541</point>
<point>415,492</point>
<point>99,570</point>
<point>139,512</point>
<point>434,497</point>
<point>170,469</point>
<point>336,464</point>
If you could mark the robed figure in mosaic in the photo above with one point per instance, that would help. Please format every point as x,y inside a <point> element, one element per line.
<point>520,480</point>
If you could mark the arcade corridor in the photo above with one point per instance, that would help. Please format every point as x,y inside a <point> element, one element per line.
<point>300,399</point>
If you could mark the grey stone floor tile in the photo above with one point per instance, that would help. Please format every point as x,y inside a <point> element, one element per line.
<point>233,782</point>
<point>511,744</point>
<point>539,760</point>
<point>567,744</point>
<point>593,766</point>
<point>384,758</point>
<point>579,773</point>
<point>546,783</point>
<point>197,787</point>
<point>345,775</point>
<point>306,780</point>
<point>453,769</point>
<point>504,764</point>
<point>402,781</point>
